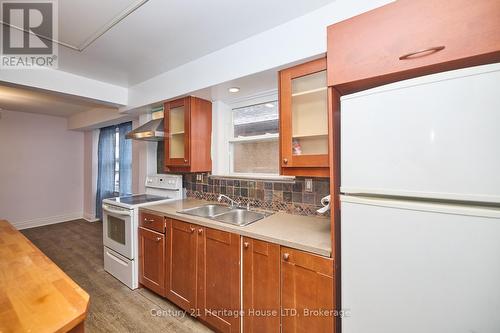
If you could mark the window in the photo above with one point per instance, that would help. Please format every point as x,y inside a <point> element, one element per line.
<point>254,146</point>
<point>114,159</point>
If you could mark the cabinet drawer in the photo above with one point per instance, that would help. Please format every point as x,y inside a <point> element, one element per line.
<point>151,221</point>
<point>307,260</point>
<point>389,43</point>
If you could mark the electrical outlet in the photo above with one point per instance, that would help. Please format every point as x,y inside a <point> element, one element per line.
<point>308,185</point>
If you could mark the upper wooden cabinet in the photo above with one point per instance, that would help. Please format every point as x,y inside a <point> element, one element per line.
<point>307,288</point>
<point>409,38</point>
<point>188,130</point>
<point>304,116</point>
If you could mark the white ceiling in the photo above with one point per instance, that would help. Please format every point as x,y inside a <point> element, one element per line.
<point>161,34</point>
<point>96,16</point>
<point>49,103</point>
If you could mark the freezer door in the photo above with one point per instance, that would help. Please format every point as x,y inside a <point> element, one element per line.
<point>413,267</point>
<point>436,136</point>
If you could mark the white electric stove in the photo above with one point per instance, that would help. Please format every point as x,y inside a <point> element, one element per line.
<point>121,222</point>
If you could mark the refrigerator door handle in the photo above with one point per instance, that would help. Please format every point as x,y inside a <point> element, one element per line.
<point>427,206</point>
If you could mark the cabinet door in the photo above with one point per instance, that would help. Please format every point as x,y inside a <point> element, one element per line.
<point>181,254</point>
<point>219,277</point>
<point>307,288</point>
<point>261,286</point>
<point>409,38</point>
<point>177,131</point>
<point>152,260</point>
<point>304,115</point>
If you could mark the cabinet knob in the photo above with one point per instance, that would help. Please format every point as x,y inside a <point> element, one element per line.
<point>158,239</point>
<point>192,229</point>
<point>245,244</point>
<point>285,160</point>
<point>185,161</point>
<point>286,256</point>
<point>200,230</point>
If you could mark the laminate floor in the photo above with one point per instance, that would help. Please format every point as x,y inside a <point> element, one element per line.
<point>76,247</point>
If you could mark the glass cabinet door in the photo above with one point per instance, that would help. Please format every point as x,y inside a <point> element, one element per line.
<point>176,132</point>
<point>177,116</point>
<point>304,117</point>
<point>310,114</point>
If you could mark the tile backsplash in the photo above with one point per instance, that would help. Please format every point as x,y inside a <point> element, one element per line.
<point>287,196</point>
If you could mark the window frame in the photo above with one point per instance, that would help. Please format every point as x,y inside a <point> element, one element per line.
<point>116,162</point>
<point>271,97</point>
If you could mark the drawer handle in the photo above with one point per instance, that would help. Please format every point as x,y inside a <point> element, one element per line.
<point>286,256</point>
<point>245,244</point>
<point>429,50</point>
<point>146,220</point>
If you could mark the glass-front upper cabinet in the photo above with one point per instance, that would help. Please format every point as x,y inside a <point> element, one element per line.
<point>188,132</point>
<point>177,130</point>
<point>304,119</point>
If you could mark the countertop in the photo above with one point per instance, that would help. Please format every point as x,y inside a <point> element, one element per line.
<point>35,294</point>
<point>307,233</point>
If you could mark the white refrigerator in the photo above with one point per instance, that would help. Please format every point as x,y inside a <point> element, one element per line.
<point>420,205</point>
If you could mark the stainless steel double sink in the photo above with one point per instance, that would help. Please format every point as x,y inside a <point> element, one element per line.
<point>232,215</point>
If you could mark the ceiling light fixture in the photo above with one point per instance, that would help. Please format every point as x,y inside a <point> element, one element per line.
<point>234,89</point>
<point>269,105</point>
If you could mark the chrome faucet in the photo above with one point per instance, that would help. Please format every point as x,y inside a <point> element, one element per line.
<point>231,201</point>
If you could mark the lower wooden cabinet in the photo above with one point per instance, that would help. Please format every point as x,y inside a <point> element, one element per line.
<point>199,269</point>
<point>181,264</point>
<point>203,274</point>
<point>219,279</point>
<point>307,288</point>
<point>152,260</point>
<point>261,286</point>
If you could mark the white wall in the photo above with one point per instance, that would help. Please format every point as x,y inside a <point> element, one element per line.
<point>41,170</point>
<point>221,122</point>
<point>143,158</point>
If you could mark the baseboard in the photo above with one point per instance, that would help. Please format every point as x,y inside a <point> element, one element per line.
<point>90,218</point>
<point>46,221</point>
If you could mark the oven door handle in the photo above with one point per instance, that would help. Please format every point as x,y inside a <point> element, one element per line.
<point>118,212</point>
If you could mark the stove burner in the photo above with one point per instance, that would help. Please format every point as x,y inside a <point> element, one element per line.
<point>138,199</point>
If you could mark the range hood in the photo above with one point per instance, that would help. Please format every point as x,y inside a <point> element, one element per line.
<point>151,131</point>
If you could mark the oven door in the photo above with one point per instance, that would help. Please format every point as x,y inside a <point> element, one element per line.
<point>118,230</point>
